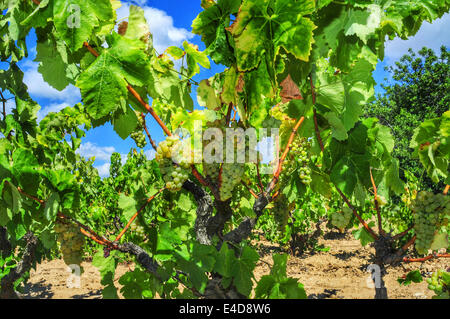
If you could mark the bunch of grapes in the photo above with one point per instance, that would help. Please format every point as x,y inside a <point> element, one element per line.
<point>440,284</point>
<point>212,170</point>
<point>271,122</point>
<point>71,240</point>
<point>431,211</point>
<point>297,159</point>
<point>137,231</point>
<point>174,174</point>
<point>137,135</point>
<point>231,173</point>
<point>341,219</point>
<point>230,177</point>
<point>281,211</point>
<point>299,153</point>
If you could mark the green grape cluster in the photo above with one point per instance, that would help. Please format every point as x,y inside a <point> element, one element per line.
<point>139,139</point>
<point>72,242</point>
<point>212,170</point>
<point>137,230</point>
<point>431,211</point>
<point>440,284</point>
<point>230,177</point>
<point>299,152</point>
<point>137,135</point>
<point>281,211</point>
<point>174,175</point>
<point>277,113</point>
<point>297,158</point>
<point>271,122</point>
<point>341,219</point>
<point>231,173</point>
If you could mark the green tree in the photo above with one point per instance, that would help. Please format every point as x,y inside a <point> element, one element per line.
<point>419,90</point>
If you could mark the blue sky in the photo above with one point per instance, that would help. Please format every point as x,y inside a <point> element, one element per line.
<point>170,23</point>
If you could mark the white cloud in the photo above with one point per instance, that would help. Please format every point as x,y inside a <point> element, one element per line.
<point>150,154</point>
<point>38,88</point>
<point>10,104</point>
<point>430,35</point>
<point>165,34</point>
<point>51,108</point>
<point>102,153</point>
<point>103,170</point>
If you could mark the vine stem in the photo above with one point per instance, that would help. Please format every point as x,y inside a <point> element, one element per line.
<point>228,117</point>
<point>36,2</point>
<point>199,177</point>
<point>249,189</point>
<point>367,227</point>
<point>276,176</point>
<point>149,109</point>
<point>408,244</point>
<point>40,201</point>
<point>398,236</point>
<point>4,105</point>
<point>316,128</point>
<point>377,206</point>
<point>89,232</point>
<point>260,184</point>
<point>152,142</point>
<point>410,260</point>
<point>136,95</point>
<point>316,125</point>
<point>98,241</point>
<point>137,213</point>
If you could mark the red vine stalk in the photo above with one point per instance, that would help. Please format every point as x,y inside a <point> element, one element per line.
<point>316,125</point>
<point>235,113</point>
<point>408,244</point>
<point>411,260</point>
<point>260,184</point>
<point>152,142</point>
<point>149,109</point>
<point>377,206</point>
<point>136,214</point>
<point>98,241</point>
<point>137,96</point>
<point>91,234</point>
<point>228,117</point>
<point>367,227</point>
<point>398,236</point>
<point>316,128</point>
<point>249,189</point>
<point>276,176</point>
<point>4,104</point>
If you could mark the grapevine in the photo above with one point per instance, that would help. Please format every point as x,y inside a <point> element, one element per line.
<point>313,59</point>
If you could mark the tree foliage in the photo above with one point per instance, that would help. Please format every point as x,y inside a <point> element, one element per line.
<point>418,90</point>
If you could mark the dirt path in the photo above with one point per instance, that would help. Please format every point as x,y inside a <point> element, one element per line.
<point>338,273</point>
